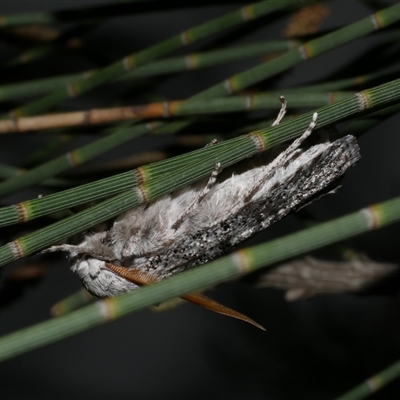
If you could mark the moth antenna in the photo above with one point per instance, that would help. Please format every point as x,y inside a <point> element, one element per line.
<point>212,305</point>
<point>143,278</point>
<point>69,248</point>
<point>200,196</point>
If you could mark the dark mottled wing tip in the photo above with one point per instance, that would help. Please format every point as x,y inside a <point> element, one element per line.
<point>351,149</point>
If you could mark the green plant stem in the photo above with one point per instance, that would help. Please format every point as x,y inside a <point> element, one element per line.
<point>8,171</point>
<point>167,109</point>
<point>155,68</point>
<point>234,265</point>
<point>373,384</point>
<point>97,11</point>
<point>125,132</point>
<point>164,176</point>
<point>111,72</point>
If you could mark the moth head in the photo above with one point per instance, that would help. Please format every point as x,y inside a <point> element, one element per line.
<point>98,279</point>
<point>84,265</point>
<point>87,267</point>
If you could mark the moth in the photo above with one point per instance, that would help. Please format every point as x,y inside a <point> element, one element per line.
<point>199,223</point>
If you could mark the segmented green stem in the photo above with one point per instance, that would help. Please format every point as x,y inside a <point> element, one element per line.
<point>82,85</point>
<point>125,133</point>
<point>165,66</point>
<point>161,177</point>
<point>167,109</point>
<point>234,265</point>
<point>374,383</point>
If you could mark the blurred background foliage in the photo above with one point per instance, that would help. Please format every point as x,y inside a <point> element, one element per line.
<point>67,84</point>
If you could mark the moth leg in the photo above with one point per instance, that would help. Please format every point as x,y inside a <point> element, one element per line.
<point>282,111</point>
<point>207,188</point>
<point>283,157</point>
<point>286,155</point>
<point>143,278</point>
<point>212,305</point>
<point>200,196</point>
<point>133,275</point>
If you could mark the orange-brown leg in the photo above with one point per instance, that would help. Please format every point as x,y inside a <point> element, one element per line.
<point>143,278</point>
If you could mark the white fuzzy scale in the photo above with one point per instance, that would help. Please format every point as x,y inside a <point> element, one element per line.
<point>144,238</point>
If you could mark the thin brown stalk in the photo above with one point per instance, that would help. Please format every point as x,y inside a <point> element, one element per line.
<point>163,109</point>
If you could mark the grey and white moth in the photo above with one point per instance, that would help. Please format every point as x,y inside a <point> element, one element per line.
<point>196,224</point>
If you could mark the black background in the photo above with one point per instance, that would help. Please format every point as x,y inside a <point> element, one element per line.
<point>313,349</point>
